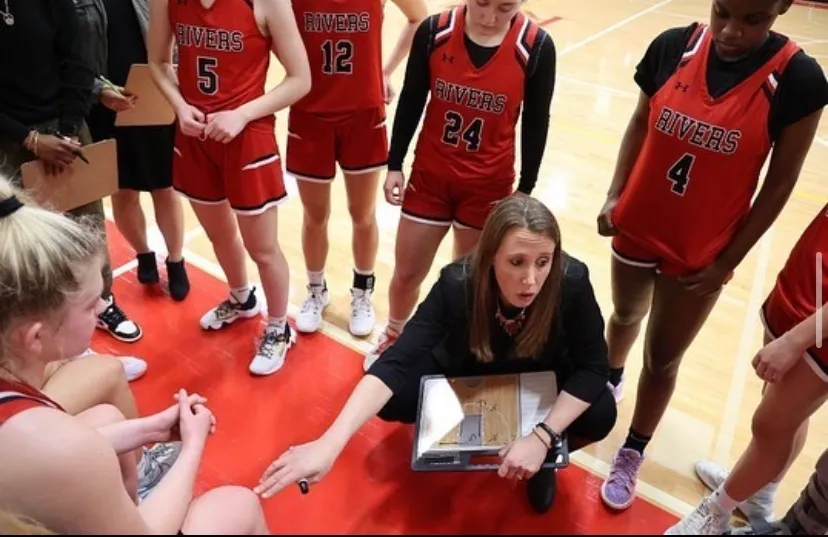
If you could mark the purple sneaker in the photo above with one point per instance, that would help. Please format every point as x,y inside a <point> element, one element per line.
<point>618,490</point>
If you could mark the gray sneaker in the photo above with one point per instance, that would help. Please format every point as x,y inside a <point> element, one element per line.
<point>154,465</point>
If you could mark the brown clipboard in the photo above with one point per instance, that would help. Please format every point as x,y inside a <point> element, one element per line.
<point>80,183</point>
<point>151,107</point>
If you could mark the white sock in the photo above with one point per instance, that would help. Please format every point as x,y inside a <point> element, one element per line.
<point>240,294</point>
<point>725,503</point>
<point>277,322</point>
<point>316,277</point>
<point>362,272</point>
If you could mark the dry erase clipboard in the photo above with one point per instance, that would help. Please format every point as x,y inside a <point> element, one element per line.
<point>463,422</point>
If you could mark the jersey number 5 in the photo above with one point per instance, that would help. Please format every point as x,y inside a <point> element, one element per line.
<point>207,78</point>
<point>454,130</point>
<point>337,58</point>
<point>679,173</point>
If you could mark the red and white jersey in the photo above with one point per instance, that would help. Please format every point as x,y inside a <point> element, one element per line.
<point>806,270</point>
<point>222,55</point>
<point>343,39</point>
<point>469,128</point>
<point>16,397</point>
<point>699,167</point>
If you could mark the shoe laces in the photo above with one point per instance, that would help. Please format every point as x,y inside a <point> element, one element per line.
<point>113,315</point>
<point>313,303</point>
<point>625,467</point>
<point>272,342</point>
<point>361,302</point>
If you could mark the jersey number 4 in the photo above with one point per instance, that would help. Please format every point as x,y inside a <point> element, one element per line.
<point>337,58</point>
<point>208,82</point>
<point>679,173</point>
<point>454,130</point>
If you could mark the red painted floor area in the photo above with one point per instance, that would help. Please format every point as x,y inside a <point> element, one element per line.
<point>371,489</point>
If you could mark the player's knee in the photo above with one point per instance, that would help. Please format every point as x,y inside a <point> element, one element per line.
<point>662,364</point>
<point>628,316</point>
<point>230,510</point>
<point>769,425</point>
<point>316,216</point>
<point>362,217</point>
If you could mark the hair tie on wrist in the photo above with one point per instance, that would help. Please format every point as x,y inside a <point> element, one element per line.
<point>9,206</point>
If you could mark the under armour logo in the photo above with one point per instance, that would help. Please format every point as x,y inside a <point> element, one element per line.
<point>448,58</point>
<point>682,87</point>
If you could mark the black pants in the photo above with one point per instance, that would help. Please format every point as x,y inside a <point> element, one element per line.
<point>592,426</point>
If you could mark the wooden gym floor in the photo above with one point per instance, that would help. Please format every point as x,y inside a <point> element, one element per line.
<point>598,47</point>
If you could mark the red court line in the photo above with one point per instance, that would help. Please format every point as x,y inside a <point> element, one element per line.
<point>371,489</point>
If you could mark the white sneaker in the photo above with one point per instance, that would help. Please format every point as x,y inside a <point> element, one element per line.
<point>270,357</point>
<point>617,391</point>
<point>706,519</point>
<point>385,340</point>
<point>134,368</point>
<point>363,317</point>
<point>757,507</point>
<point>309,318</point>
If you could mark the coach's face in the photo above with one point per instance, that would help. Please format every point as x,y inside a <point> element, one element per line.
<point>491,17</point>
<point>741,26</point>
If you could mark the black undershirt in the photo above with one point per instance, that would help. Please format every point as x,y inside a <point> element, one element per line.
<point>538,92</point>
<point>802,88</point>
<point>44,76</point>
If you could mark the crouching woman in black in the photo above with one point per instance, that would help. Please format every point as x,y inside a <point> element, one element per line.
<point>517,304</point>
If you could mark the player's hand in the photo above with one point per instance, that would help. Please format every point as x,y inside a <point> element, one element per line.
<point>605,226</point>
<point>311,461</point>
<point>522,458</point>
<point>394,187</point>
<point>195,422</point>
<point>164,424</point>
<point>708,281</point>
<point>388,89</point>
<point>224,126</point>
<point>116,100</point>
<point>191,120</point>
<point>775,359</point>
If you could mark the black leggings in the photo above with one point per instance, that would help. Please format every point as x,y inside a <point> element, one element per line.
<point>592,426</point>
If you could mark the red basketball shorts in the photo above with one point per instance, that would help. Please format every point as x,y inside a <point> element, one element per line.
<point>443,201</point>
<point>632,253</point>
<point>357,141</point>
<point>246,172</point>
<point>779,317</point>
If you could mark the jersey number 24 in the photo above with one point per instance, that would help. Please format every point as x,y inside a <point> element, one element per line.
<point>455,130</point>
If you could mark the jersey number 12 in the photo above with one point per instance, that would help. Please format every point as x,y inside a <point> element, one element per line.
<point>679,173</point>
<point>337,58</point>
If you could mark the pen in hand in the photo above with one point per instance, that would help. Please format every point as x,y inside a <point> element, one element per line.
<point>78,153</point>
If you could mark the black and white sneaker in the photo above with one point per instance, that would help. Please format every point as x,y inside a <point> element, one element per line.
<point>115,321</point>
<point>231,311</point>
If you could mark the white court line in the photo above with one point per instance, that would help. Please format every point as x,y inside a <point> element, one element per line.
<point>126,267</point>
<point>610,29</point>
<point>823,141</point>
<point>593,464</point>
<point>742,367</point>
<point>602,87</point>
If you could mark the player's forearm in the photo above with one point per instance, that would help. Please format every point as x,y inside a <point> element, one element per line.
<point>165,78</point>
<point>285,94</point>
<point>402,47</point>
<point>566,410</point>
<point>765,210</point>
<point>128,435</point>
<point>367,399</point>
<point>164,510</point>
